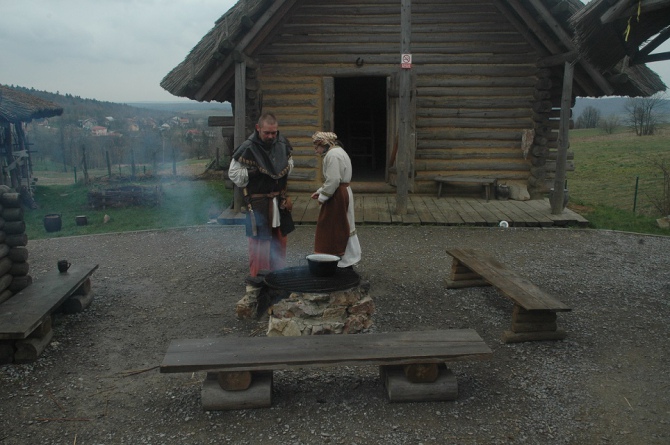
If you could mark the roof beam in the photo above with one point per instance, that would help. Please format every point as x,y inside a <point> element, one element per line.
<point>626,8</point>
<point>567,41</point>
<point>550,47</point>
<point>208,91</point>
<point>644,56</point>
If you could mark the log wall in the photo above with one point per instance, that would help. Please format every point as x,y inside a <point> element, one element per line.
<point>14,267</point>
<point>476,80</point>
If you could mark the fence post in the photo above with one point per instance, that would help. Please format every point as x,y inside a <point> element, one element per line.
<point>109,164</point>
<point>637,181</point>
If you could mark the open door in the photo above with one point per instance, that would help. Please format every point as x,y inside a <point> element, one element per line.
<point>360,120</point>
<point>393,131</point>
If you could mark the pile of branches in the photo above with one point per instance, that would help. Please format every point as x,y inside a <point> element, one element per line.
<point>126,196</point>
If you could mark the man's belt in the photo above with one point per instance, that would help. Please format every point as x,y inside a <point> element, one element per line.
<point>265,195</point>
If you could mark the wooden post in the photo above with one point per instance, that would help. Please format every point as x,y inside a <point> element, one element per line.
<point>132,164</point>
<point>563,140</point>
<point>174,161</point>
<point>83,163</point>
<point>109,164</point>
<point>404,129</point>
<point>239,116</point>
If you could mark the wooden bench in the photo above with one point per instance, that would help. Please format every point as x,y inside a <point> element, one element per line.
<point>239,370</point>
<point>25,318</point>
<point>488,183</point>
<point>534,313</point>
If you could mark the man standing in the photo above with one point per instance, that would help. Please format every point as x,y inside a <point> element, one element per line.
<point>260,167</point>
<point>336,227</point>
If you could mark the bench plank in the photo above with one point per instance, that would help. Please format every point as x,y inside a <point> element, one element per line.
<point>511,284</point>
<point>23,312</point>
<point>488,183</point>
<point>273,353</point>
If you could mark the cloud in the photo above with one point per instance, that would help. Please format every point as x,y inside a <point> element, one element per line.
<point>112,50</point>
<point>108,50</point>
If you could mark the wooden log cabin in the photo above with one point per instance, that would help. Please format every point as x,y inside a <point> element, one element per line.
<point>16,109</point>
<point>486,91</point>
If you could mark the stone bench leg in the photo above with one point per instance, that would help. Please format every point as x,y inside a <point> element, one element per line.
<point>400,388</point>
<point>257,395</point>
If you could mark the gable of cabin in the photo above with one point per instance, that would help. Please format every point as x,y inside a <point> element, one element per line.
<point>485,91</point>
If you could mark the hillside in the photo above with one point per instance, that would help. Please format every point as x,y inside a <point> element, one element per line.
<point>76,108</point>
<point>607,106</point>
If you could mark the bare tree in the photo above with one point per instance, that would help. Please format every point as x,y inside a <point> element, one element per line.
<point>644,113</point>
<point>610,123</point>
<point>589,118</point>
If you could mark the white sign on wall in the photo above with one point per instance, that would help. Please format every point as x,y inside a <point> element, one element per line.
<point>406,61</point>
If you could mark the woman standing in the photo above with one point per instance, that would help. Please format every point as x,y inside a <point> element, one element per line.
<point>336,227</point>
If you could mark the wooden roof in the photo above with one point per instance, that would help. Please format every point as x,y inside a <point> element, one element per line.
<point>207,72</point>
<point>615,35</point>
<point>16,106</point>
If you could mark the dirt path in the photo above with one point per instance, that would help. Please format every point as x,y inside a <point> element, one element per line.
<point>607,383</point>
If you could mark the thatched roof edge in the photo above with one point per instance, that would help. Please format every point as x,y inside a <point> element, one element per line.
<point>186,78</point>
<point>604,45</point>
<point>16,106</point>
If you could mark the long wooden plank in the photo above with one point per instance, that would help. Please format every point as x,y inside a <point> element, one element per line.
<point>541,217</point>
<point>469,215</point>
<point>483,208</point>
<point>411,216</point>
<point>510,283</point>
<point>422,210</point>
<point>531,220</point>
<point>359,211</point>
<point>370,209</point>
<point>520,218</point>
<point>383,209</point>
<point>452,215</point>
<point>273,353</point>
<point>502,212</point>
<point>24,312</point>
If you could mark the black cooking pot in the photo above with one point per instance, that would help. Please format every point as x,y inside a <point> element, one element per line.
<point>322,264</point>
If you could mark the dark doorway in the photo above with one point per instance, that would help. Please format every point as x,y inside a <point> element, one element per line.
<point>360,123</point>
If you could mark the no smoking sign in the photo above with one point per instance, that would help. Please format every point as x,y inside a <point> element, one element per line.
<point>406,61</point>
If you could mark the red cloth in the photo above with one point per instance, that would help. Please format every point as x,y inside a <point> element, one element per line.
<point>332,227</point>
<point>267,254</point>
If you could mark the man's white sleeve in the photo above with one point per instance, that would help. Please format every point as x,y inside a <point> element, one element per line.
<point>238,174</point>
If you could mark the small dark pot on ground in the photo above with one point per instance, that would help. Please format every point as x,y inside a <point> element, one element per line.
<point>53,222</point>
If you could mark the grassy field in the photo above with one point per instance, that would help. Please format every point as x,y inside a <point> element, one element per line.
<point>602,188</point>
<point>185,201</point>
<point>608,168</point>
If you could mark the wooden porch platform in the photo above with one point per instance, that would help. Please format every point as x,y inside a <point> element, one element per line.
<point>430,210</point>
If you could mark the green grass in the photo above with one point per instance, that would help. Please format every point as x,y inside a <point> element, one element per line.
<point>602,188</point>
<point>607,168</point>
<point>185,202</point>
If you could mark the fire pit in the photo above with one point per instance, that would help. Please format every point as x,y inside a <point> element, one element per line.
<point>300,303</point>
<point>300,279</point>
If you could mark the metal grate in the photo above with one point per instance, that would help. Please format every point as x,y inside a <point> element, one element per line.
<point>299,279</point>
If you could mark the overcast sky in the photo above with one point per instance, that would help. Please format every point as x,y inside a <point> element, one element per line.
<point>111,50</point>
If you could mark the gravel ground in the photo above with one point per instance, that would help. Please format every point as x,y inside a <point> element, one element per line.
<point>97,382</point>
